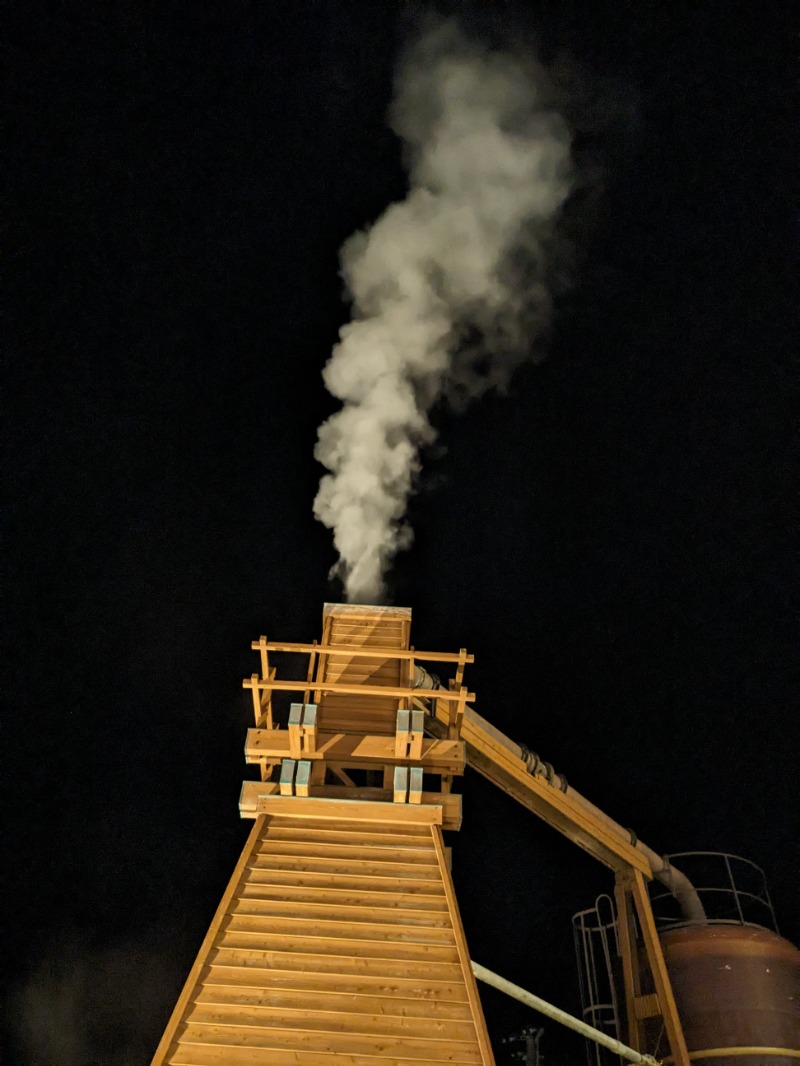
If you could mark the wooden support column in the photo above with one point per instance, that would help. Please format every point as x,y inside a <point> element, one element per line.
<point>631,886</point>
<point>626,933</point>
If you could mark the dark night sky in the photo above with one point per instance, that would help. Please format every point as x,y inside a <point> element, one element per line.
<point>612,540</point>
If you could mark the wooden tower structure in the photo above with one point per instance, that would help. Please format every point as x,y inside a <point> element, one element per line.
<point>338,937</point>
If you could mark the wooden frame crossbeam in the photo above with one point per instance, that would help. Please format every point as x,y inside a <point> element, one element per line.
<point>631,896</point>
<point>364,651</point>
<point>256,799</point>
<point>351,750</point>
<point>345,689</point>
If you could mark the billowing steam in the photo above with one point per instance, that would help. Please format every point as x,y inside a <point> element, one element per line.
<point>449,287</point>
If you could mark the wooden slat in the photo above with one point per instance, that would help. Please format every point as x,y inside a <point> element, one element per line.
<point>326,895</point>
<point>352,946</point>
<point>321,999</point>
<point>351,853</point>
<point>368,848</point>
<point>319,864</point>
<point>327,963</point>
<point>303,911</point>
<point>350,1043</point>
<point>295,829</point>
<point>425,888</point>
<point>249,919</point>
<point>225,1056</point>
<point>254,1016</point>
<point>262,977</point>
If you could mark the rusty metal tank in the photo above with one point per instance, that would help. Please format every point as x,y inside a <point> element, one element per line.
<point>736,981</point>
<point>737,988</point>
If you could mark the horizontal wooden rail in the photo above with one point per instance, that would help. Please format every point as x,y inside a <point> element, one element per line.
<point>390,691</point>
<point>365,652</point>
<point>436,756</point>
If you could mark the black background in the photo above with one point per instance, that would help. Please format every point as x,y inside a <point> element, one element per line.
<point>612,539</point>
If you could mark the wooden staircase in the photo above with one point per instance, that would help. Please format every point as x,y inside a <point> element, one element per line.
<point>338,937</point>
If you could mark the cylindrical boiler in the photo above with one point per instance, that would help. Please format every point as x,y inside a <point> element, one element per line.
<point>737,989</point>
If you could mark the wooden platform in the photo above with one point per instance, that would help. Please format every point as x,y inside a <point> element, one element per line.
<point>338,938</point>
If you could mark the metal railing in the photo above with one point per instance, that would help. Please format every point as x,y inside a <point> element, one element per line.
<point>733,890</point>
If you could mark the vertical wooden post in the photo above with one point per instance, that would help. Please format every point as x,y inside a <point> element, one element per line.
<point>312,659</point>
<point>633,883</point>
<point>262,647</point>
<point>655,956</point>
<point>626,933</point>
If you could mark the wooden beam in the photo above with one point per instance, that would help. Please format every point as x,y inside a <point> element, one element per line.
<point>365,651</point>
<point>344,689</point>
<point>634,883</point>
<point>255,794</point>
<point>631,976</point>
<point>354,749</point>
<point>348,809</point>
<point>506,770</point>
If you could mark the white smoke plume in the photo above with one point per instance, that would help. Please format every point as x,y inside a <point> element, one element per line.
<point>449,287</point>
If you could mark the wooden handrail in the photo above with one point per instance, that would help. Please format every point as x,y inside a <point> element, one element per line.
<point>366,651</point>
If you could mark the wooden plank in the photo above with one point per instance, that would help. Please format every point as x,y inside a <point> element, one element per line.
<point>323,865</point>
<point>222,1056</point>
<point>261,1016</point>
<point>424,887</point>
<point>343,689</point>
<point>249,920</point>
<point>349,1043</point>
<point>310,912</point>
<point>373,834</point>
<point>387,864</point>
<point>558,809</point>
<point>393,1004</point>
<point>360,828</point>
<point>251,974</point>
<point>352,853</point>
<point>257,797</point>
<point>353,809</point>
<point>402,654</point>
<point>327,963</point>
<point>326,895</point>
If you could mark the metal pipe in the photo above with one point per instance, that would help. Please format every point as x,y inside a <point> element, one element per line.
<point>674,880</point>
<point>558,1015</point>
